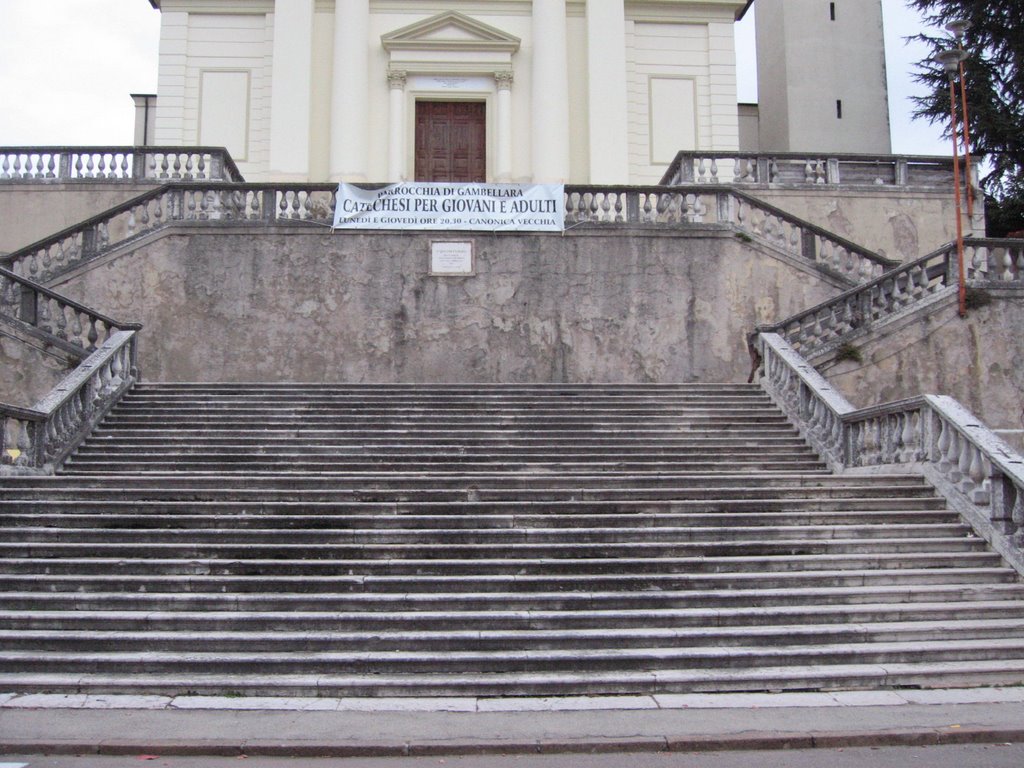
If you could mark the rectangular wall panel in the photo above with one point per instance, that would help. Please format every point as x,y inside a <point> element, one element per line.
<point>224,111</point>
<point>673,117</point>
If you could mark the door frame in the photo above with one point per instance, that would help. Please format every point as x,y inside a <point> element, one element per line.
<point>424,88</point>
<point>486,147</point>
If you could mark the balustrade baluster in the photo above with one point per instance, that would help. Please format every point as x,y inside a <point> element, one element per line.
<point>976,474</point>
<point>92,336</point>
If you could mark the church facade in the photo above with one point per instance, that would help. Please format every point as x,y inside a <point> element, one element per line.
<point>578,91</point>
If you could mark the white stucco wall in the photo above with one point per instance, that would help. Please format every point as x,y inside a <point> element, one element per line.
<point>226,48</point>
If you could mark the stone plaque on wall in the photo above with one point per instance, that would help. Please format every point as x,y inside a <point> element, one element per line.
<point>451,257</point>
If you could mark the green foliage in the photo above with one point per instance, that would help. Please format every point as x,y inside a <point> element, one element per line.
<point>848,351</point>
<point>994,71</point>
<point>976,298</point>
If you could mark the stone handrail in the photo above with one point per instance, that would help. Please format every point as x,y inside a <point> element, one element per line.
<point>986,261</point>
<point>38,439</point>
<point>968,463</point>
<point>62,322</point>
<point>796,169</point>
<point>749,216</point>
<point>314,203</point>
<point>64,164</point>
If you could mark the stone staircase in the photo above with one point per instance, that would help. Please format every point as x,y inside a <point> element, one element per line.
<point>368,540</point>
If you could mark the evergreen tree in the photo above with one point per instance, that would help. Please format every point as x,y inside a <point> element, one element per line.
<point>994,73</point>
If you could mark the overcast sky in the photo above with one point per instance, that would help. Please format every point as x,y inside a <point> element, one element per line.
<point>67,68</point>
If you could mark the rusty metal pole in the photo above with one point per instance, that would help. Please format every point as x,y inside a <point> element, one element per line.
<point>958,27</point>
<point>962,287</point>
<point>950,61</point>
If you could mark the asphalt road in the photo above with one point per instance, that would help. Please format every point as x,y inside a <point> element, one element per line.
<point>955,756</point>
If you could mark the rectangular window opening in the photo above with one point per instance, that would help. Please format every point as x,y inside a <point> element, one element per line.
<point>839,109</point>
<point>832,11</point>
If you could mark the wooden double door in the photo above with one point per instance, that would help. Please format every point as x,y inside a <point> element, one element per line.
<point>451,141</point>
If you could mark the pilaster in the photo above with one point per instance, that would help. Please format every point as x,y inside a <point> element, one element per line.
<point>550,118</point>
<point>291,89</point>
<point>396,125</point>
<point>350,91</point>
<point>608,104</point>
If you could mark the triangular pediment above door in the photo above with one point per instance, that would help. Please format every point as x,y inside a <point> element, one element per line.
<point>450,31</point>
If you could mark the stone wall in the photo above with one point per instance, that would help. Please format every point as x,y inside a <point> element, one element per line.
<point>307,305</point>
<point>29,368</point>
<point>900,224</point>
<point>976,360</point>
<point>31,212</point>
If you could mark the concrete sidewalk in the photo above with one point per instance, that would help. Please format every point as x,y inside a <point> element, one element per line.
<point>336,728</point>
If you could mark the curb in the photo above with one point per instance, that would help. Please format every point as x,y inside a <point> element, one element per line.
<point>752,741</point>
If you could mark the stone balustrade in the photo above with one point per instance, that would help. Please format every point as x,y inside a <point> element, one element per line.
<point>64,323</point>
<point>968,462</point>
<point>117,164</point>
<point>312,203</point>
<point>986,261</point>
<point>38,439</point>
<point>808,170</point>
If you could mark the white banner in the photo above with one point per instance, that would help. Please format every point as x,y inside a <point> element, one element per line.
<point>434,205</point>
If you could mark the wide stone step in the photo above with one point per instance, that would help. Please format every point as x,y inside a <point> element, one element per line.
<point>434,425</point>
<point>575,407</point>
<point>273,467</point>
<point>497,553</point>
<point>171,531</point>
<point>805,676</point>
<point>118,443</point>
<point>705,607</point>
<point>678,435</point>
<point>527,586</point>
<point>756,482</point>
<point>171,516</point>
<point>262,641</point>
<point>652,569</point>
<point>473,389</point>
<point>997,615</point>
<point>184,449</point>
<point>656,657</point>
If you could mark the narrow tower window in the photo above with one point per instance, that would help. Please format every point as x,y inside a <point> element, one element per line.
<point>832,11</point>
<point>839,109</point>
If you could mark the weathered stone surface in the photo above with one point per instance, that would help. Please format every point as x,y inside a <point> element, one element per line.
<point>307,305</point>
<point>900,225</point>
<point>28,368</point>
<point>976,361</point>
<point>31,212</point>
